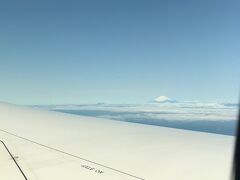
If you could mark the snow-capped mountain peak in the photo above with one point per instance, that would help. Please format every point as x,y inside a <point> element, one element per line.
<point>163,99</point>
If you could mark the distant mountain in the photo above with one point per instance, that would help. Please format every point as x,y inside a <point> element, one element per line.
<point>164,99</point>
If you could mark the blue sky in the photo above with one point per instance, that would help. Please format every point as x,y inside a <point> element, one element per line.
<point>127,51</point>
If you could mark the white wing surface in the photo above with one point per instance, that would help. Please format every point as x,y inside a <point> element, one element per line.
<point>44,145</point>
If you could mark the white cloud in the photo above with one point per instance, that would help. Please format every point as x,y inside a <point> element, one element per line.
<point>208,117</point>
<point>187,111</point>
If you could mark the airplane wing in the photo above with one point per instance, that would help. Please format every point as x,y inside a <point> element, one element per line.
<point>43,145</point>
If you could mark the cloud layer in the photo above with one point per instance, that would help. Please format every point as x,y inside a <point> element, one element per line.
<point>208,117</point>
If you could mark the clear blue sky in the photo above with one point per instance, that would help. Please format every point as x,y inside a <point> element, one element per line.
<point>119,51</point>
